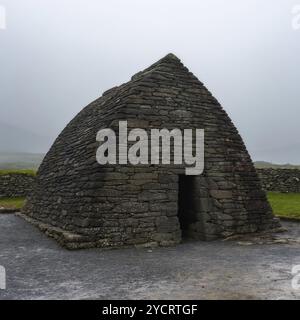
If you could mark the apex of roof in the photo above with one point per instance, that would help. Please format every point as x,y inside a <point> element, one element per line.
<point>168,63</point>
<point>169,59</point>
<point>170,56</point>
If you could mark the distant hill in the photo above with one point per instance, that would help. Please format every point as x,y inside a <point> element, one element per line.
<point>26,160</point>
<point>15,139</point>
<point>20,160</point>
<point>264,164</point>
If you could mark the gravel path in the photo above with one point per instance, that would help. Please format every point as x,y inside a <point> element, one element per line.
<point>37,268</point>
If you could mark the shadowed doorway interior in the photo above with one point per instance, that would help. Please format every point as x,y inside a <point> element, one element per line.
<point>187,211</point>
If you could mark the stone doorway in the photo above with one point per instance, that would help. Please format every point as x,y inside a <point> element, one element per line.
<point>187,206</point>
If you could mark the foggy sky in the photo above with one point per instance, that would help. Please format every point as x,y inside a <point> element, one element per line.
<point>56,56</point>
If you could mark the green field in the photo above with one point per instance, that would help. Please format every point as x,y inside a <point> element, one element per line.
<point>12,203</point>
<point>285,204</point>
<point>21,171</point>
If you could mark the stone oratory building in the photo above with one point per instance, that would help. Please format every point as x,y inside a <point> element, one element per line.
<point>83,204</point>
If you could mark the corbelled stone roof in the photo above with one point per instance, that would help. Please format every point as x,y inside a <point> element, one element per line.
<point>84,204</point>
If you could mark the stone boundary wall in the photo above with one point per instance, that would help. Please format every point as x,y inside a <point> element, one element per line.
<point>281,180</point>
<point>15,184</point>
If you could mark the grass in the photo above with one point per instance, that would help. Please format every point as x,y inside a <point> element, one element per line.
<point>30,172</point>
<point>12,203</point>
<point>285,204</point>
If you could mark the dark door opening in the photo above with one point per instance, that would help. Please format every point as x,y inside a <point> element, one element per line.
<point>187,200</point>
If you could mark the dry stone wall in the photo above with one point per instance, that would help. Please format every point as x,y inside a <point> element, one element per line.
<point>280,180</point>
<point>16,185</point>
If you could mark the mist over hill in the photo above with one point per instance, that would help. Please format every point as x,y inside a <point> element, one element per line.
<point>21,148</point>
<point>265,164</point>
<point>19,160</point>
<point>25,160</point>
<point>15,139</point>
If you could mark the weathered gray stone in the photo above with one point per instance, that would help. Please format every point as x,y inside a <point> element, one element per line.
<point>221,194</point>
<point>281,180</point>
<point>83,204</point>
<point>16,184</point>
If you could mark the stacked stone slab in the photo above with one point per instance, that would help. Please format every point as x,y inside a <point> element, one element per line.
<point>15,184</point>
<point>84,204</point>
<point>280,180</point>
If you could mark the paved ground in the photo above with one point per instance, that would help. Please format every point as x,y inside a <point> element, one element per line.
<point>37,268</point>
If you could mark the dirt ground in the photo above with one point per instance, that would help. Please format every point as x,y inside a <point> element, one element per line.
<point>38,268</point>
